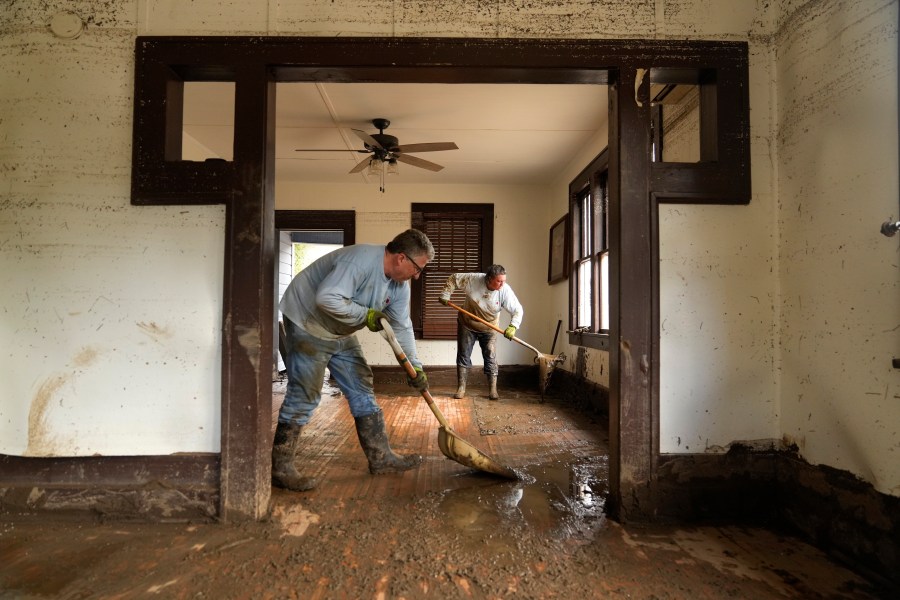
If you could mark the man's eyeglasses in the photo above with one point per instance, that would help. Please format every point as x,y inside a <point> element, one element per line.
<point>418,268</point>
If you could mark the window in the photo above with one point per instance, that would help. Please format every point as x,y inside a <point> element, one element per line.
<point>207,121</point>
<point>675,123</point>
<point>685,119</point>
<point>463,239</point>
<point>589,276</point>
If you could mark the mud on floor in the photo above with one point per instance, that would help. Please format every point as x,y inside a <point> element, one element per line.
<point>519,412</point>
<point>470,544</point>
<point>439,531</point>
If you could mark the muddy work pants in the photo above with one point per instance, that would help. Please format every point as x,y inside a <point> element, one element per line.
<point>465,341</point>
<point>307,358</point>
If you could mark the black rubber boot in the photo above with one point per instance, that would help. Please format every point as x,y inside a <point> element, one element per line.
<point>462,376</point>
<point>284,449</point>
<point>493,395</point>
<point>374,442</point>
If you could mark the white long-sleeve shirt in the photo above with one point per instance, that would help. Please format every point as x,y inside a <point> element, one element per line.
<point>330,298</point>
<point>482,302</point>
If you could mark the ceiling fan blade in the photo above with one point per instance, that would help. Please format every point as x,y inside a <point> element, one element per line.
<point>329,150</point>
<point>418,162</point>
<point>428,147</point>
<point>360,166</point>
<point>366,138</point>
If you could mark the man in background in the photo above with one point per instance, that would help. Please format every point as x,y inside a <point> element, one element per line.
<point>486,294</point>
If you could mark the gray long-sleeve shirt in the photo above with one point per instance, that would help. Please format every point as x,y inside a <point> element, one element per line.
<point>331,297</point>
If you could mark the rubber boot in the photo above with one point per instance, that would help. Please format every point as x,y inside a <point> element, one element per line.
<point>374,442</point>
<point>462,375</point>
<point>493,395</point>
<point>284,449</point>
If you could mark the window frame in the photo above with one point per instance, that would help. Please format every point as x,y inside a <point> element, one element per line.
<point>440,212</point>
<point>593,180</point>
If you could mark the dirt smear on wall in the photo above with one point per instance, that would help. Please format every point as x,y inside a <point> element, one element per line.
<point>41,440</point>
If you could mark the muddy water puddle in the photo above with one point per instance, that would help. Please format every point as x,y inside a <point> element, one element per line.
<point>564,499</point>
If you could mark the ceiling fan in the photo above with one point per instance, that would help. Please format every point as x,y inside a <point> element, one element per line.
<point>386,151</point>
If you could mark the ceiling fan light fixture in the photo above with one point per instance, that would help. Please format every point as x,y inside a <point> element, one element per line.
<point>392,167</point>
<point>386,151</point>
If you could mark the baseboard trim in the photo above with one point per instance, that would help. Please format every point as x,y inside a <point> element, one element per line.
<point>181,487</point>
<point>832,509</point>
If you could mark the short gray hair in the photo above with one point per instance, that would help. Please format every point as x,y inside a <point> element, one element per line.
<point>412,242</point>
<point>494,270</point>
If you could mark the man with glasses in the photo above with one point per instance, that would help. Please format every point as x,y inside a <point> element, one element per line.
<point>486,294</point>
<point>323,308</point>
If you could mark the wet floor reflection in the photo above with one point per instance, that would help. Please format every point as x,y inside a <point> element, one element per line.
<point>564,498</point>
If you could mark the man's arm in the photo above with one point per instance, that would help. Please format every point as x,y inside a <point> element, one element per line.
<point>511,304</point>
<point>398,315</point>
<point>462,281</point>
<point>449,286</point>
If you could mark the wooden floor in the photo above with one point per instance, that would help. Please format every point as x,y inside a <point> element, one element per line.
<point>519,431</point>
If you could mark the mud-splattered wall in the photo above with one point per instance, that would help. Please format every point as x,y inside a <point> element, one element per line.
<point>839,278</point>
<point>110,314</point>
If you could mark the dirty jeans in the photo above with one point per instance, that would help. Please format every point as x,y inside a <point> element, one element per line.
<point>465,341</point>
<point>307,357</point>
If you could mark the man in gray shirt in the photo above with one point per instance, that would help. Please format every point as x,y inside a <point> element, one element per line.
<point>323,307</point>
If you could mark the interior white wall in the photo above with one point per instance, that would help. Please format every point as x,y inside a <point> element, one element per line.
<point>110,314</point>
<point>92,334</point>
<point>836,66</point>
<point>381,216</point>
<point>718,302</point>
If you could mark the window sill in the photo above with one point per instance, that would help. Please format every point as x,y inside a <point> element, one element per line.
<point>597,341</point>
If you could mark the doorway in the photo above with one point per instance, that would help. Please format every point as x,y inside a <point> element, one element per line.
<point>301,237</point>
<point>246,187</point>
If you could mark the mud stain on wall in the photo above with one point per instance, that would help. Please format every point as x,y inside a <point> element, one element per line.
<point>41,439</point>
<point>625,356</point>
<point>39,434</point>
<point>154,331</point>
<point>248,338</point>
<point>85,357</point>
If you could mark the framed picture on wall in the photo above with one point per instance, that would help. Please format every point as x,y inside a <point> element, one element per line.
<point>559,251</point>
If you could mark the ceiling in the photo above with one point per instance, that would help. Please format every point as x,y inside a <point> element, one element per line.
<point>506,133</point>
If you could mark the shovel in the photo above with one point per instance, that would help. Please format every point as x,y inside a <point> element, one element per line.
<point>453,446</point>
<point>546,362</point>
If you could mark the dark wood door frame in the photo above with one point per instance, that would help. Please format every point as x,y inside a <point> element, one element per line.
<point>245,187</point>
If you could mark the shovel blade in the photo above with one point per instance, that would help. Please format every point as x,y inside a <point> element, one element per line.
<point>458,449</point>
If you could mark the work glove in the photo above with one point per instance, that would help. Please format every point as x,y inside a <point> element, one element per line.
<point>510,332</point>
<point>420,382</point>
<point>444,301</point>
<point>373,319</point>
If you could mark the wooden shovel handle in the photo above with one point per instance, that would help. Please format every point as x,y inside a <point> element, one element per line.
<point>388,334</point>
<point>477,318</point>
<point>492,326</point>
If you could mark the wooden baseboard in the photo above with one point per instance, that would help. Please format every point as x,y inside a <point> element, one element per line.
<point>834,510</point>
<point>149,488</point>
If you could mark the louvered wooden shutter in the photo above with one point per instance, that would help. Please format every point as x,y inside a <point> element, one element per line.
<point>462,235</point>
